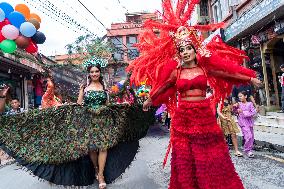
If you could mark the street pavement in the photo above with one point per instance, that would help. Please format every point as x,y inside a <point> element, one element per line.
<point>265,171</point>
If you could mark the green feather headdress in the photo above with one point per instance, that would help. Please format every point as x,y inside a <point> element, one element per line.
<point>95,61</point>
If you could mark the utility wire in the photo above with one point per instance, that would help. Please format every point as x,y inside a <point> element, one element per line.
<point>103,25</point>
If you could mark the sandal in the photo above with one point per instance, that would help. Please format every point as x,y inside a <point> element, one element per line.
<point>238,154</point>
<point>102,183</point>
<point>250,155</point>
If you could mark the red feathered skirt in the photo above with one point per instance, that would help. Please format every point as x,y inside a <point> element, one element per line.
<point>200,156</point>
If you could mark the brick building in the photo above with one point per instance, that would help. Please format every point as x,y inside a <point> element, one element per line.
<point>123,36</point>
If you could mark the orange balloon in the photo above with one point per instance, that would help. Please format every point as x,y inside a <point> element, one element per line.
<point>35,16</point>
<point>24,9</point>
<point>35,23</point>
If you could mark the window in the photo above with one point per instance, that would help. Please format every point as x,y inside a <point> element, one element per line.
<point>132,51</point>
<point>217,14</point>
<point>225,8</point>
<point>117,41</point>
<point>131,40</point>
<point>203,8</point>
<point>118,46</point>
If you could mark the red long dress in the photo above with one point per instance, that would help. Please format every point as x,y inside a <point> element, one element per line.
<point>200,156</point>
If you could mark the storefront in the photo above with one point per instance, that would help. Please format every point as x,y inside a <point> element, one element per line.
<point>18,73</point>
<point>260,32</point>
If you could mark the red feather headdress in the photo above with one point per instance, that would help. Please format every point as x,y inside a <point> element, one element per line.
<point>158,51</point>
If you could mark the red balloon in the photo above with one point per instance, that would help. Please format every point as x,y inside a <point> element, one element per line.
<point>32,48</point>
<point>4,23</point>
<point>2,38</point>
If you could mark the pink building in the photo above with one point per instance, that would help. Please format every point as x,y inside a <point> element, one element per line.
<point>124,35</point>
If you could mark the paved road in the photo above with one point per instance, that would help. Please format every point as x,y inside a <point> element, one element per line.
<point>265,171</point>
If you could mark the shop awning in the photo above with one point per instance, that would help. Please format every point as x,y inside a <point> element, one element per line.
<point>260,15</point>
<point>10,61</point>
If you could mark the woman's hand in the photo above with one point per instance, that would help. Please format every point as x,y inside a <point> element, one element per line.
<point>240,111</point>
<point>4,91</point>
<point>147,104</point>
<point>256,82</point>
<point>82,86</point>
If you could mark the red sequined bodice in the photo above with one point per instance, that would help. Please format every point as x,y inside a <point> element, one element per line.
<point>198,82</point>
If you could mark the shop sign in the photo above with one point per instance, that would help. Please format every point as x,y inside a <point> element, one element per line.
<point>131,25</point>
<point>31,64</point>
<point>257,13</point>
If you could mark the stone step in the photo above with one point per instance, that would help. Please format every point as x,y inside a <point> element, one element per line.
<point>270,120</point>
<point>269,124</point>
<point>276,114</point>
<point>269,129</point>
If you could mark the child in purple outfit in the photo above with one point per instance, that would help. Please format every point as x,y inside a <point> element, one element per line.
<point>246,112</point>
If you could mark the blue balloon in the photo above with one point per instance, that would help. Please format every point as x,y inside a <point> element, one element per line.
<point>7,8</point>
<point>2,15</point>
<point>27,29</point>
<point>38,37</point>
<point>16,18</point>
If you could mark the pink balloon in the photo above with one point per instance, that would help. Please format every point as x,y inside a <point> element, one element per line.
<point>10,32</point>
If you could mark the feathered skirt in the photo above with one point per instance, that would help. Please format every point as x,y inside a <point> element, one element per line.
<point>54,143</point>
<point>200,156</point>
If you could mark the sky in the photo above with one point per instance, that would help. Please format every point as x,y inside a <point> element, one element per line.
<point>57,33</point>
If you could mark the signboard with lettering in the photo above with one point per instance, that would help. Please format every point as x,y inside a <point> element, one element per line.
<point>257,13</point>
<point>31,64</point>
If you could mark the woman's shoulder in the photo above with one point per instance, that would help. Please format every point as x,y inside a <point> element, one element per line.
<point>250,104</point>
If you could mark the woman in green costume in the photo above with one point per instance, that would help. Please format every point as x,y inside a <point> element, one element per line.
<point>66,144</point>
<point>94,95</point>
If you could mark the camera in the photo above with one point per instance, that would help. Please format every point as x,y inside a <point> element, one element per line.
<point>2,86</point>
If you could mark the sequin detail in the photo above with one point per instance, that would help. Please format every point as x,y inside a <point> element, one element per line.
<point>95,99</point>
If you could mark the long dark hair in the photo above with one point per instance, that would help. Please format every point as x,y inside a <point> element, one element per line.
<point>101,76</point>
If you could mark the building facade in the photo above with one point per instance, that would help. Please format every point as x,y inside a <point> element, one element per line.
<point>18,71</point>
<point>256,26</point>
<point>123,36</point>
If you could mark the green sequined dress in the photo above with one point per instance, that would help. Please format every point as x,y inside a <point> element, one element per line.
<point>54,143</point>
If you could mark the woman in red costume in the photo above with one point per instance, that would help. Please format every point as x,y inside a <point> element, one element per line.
<point>50,98</point>
<point>183,64</point>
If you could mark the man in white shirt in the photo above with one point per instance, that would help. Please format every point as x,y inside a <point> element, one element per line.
<point>15,107</point>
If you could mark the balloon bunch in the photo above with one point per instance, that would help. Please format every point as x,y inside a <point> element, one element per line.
<point>142,90</point>
<point>19,28</point>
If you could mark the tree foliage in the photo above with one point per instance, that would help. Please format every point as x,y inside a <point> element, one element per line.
<point>88,46</point>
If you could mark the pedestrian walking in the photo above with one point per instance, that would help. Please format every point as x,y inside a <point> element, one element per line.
<point>228,124</point>
<point>281,80</point>
<point>245,113</point>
